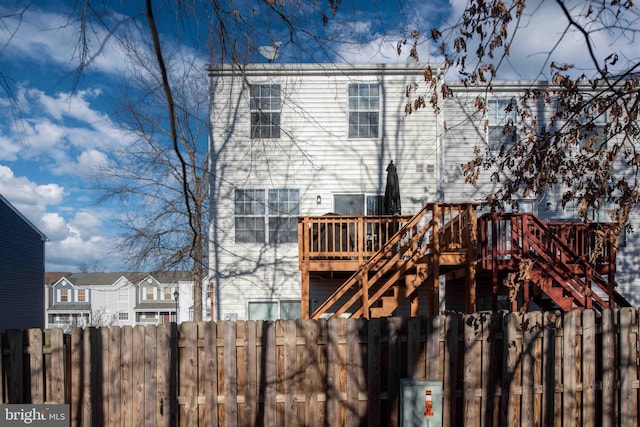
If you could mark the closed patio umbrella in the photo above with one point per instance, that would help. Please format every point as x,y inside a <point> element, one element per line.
<point>392,192</point>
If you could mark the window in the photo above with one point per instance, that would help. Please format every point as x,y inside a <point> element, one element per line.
<point>82,295</point>
<point>364,106</point>
<point>275,210</point>
<point>273,310</point>
<point>249,216</point>
<point>64,295</point>
<point>265,108</point>
<point>149,294</point>
<point>284,206</point>
<point>358,204</point>
<point>167,293</point>
<point>123,316</point>
<point>500,112</point>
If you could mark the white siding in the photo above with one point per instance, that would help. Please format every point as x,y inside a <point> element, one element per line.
<point>314,155</point>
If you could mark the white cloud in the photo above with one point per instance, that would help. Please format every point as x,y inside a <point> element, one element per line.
<point>54,226</point>
<point>26,195</point>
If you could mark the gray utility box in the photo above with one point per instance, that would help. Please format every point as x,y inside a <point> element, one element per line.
<point>420,403</point>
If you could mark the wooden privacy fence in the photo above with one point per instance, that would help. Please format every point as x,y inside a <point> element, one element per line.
<point>537,369</point>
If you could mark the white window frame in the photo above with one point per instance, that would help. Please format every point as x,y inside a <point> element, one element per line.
<point>258,209</point>
<point>265,104</point>
<point>363,106</point>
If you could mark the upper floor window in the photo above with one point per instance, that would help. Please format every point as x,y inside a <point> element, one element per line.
<point>266,215</point>
<point>64,295</point>
<point>82,295</point>
<point>364,110</point>
<point>265,106</point>
<point>500,112</point>
<point>167,294</point>
<point>149,293</point>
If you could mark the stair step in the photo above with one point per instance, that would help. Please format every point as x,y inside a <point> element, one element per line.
<point>557,295</point>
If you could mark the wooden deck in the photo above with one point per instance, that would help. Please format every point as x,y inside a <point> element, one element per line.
<point>385,260</point>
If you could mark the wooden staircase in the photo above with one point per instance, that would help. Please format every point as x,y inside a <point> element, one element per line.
<point>411,258</point>
<point>562,263</point>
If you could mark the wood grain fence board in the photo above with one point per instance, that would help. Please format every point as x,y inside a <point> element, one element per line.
<point>608,356</point>
<point>210,378</point>
<point>311,373</point>
<point>36,365</point>
<point>103,383</point>
<point>151,401</point>
<point>569,326</point>
<point>76,370</point>
<point>230,384</point>
<point>138,376</point>
<point>449,404</point>
<point>491,368</point>
<point>548,377</point>
<point>15,384</point>
<point>251,374</point>
<point>322,331</point>
<point>269,372</point>
<point>373,372</point>
<point>115,372</point>
<point>413,348</point>
<point>394,349</point>
<point>589,369</point>
<point>511,402</point>
<point>57,367</point>
<point>164,373</point>
<point>126,384</point>
<point>628,366</point>
<point>352,360</point>
<point>240,376</point>
<point>335,329</point>
<point>290,372</point>
<point>531,357</point>
<point>559,375</point>
<point>472,326</point>
<point>188,372</point>
<point>432,341</point>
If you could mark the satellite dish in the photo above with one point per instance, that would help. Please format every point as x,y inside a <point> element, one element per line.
<point>270,52</point>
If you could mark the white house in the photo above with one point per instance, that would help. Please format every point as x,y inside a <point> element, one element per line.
<point>129,298</point>
<point>301,139</point>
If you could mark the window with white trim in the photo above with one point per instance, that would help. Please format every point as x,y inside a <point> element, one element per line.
<point>82,295</point>
<point>265,106</point>
<point>364,110</point>
<point>267,216</point>
<point>273,310</point>
<point>63,295</point>
<point>123,315</point>
<point>500,112</point>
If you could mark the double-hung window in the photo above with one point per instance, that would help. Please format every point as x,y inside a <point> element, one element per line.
<point>501,112</point>
<point>82,295</point>
<point>265,105</point>
<point>267,216</point>
<point>364,110</point>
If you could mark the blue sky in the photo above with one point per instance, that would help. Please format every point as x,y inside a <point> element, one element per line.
<point>57,131</point>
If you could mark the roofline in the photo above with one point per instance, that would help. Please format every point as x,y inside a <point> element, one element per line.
<point>319,69</point>
<point>24,218</point>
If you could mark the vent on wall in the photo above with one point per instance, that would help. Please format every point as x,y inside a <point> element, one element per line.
<point>429,167</point>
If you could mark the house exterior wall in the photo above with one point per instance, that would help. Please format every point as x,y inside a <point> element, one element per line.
<point>464,130</point>
<point>313,155</point>
<point>21,271</point>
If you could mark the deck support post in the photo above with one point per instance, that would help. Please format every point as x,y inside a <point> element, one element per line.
<point>471,243</point>
<point>304,297</point>
<point>433,291</point>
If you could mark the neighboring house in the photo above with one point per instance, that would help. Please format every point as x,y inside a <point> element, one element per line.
<point>290,140</point>
<point>467,128</point>
<point>127,298</point>
<point>22,248</point>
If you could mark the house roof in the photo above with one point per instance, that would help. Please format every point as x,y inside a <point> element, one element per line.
<point>53,276</point>
<point>108,279</point>
<point>24,218</point>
